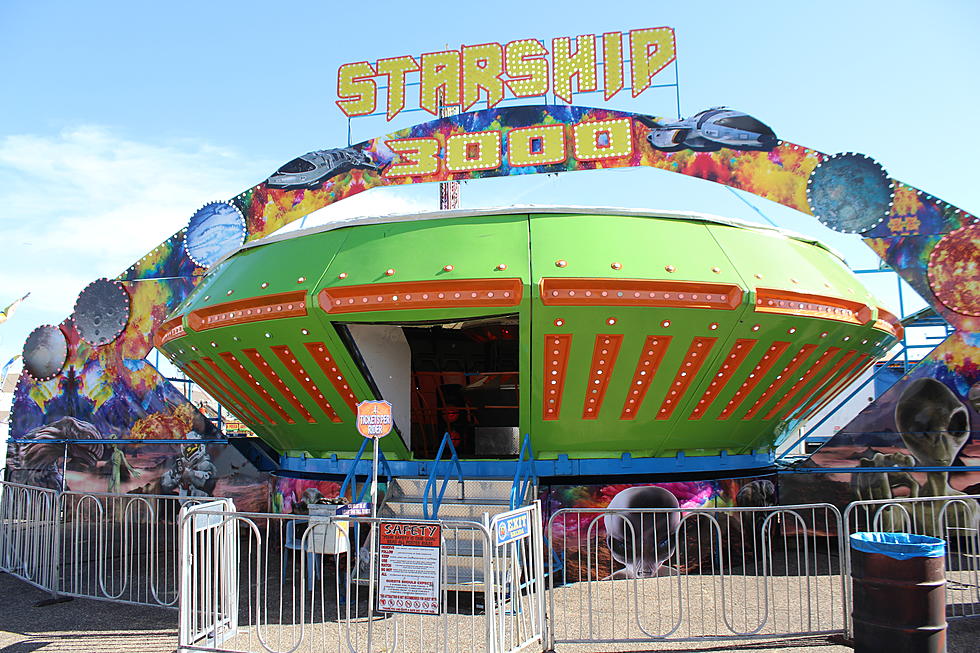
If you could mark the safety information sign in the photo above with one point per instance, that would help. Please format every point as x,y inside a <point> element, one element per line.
<point>409,573</point>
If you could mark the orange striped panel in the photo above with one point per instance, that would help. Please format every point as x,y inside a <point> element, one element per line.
<point>287,358</point>
<point>736,356</point>
<point>252,309</point>
<point>328,365</point>
<point>604,356</point>
<point>250,380</point>
<point>768,359</point>
<point>213,386</point>
<point>639,292</point>
<point>234,390</point>
<point>863,364</point>
<point>654,350</point>
<point>787,302</point>
<point>409,295</point>
<point>274,378</point>
<point>803,380</point>
<point>694,359</point>
<point>556,350</point>
<point>820,383</point>
<point>781,379</point>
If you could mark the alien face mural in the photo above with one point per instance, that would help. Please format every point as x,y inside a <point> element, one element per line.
<point>641,541</point>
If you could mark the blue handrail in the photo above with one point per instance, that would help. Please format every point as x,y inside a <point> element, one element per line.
<point>351,479</point>
<point>524,475</point>
<point>430,486</point>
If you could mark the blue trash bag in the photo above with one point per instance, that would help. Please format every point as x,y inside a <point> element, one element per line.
<point>900,546</point>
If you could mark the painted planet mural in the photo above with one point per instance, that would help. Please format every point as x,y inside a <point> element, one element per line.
<point>45,352</point>
<point>850,193</point>
<point>101,312</point>
<point>213,231</point>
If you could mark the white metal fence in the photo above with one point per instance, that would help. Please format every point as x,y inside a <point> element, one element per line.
<point>955,519</point>
<point>282,583</point>
<point>115,547</point>
<point>700,573</point>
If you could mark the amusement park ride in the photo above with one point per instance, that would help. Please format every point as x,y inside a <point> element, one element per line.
<point>613,343</point>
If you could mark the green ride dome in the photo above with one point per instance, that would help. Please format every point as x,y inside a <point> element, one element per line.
<point>602,333</point>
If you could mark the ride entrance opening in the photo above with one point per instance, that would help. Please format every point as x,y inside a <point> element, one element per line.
<point>459,377</point>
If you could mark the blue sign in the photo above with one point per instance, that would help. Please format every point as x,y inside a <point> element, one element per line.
<point>362,509</point>
<point>513,527</point>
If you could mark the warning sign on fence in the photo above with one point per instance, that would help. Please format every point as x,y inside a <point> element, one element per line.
<point>408,564</point>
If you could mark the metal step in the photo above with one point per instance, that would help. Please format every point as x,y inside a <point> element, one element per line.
<point>448,510</point>
<point>470,489</point>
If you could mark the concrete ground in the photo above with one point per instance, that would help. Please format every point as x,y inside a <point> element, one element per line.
<point>83,626</point>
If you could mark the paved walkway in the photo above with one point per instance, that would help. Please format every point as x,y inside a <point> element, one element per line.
<point>86,626</point>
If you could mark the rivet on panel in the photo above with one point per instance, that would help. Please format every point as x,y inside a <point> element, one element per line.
<point>611,321</point>
<point>559,322</point>
<point>669,268</point>
<point>342,275</point>
<point>616,266</point>
<point>301,280</point>
<point>561,263</point>
<point>390,272</point>
<point>502,266</point>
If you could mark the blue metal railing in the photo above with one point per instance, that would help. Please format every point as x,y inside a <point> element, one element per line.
<point>429,496</point>
<point>351,479</point>
<point>524,475</point>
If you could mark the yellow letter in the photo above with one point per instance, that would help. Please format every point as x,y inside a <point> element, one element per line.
<point>483,67</point>
<point>650,52</point>
<point>419,156</point>
<point>356,90</point>
<point>536,146</point>
<point>395,70</point>
<point>603,139</point>
<point>476,151</point>
<point>526,64</point>
<point>567,65</point>
<point>612,64</point>
<point>440,72</point>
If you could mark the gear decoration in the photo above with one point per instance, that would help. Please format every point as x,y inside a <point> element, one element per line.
<point>216,229</point>
<point>45,352</point>
<point>850,193</point>
<point>101,312</point>
<point>952,263</point>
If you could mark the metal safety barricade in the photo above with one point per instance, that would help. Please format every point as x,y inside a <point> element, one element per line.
<point>119,547</point>
<point>640,574</point>
<point>955,519</point>
<point>304,583</point>
<point>28,527</point>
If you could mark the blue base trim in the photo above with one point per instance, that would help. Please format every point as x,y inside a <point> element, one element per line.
<point>561,466</point>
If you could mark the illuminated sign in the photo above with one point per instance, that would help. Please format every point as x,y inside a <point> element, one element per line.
<point>521,69</point>
<point>438,155</point>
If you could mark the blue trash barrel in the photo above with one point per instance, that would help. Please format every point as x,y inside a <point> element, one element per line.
<point>899,592</point>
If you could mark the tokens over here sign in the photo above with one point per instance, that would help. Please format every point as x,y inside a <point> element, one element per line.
<point>374,419</point>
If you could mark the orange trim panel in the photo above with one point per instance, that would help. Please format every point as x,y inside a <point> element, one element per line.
<point>235,391</point>
<point>604,356</point>
<point>288,359</point>
<point>803,380</point>
<point>218,391</point>
<point>786,302</point>
<point>236,365</point>
<point>694,359</point>
<point>768,359</point>
<point>736,356</point>
<point>889,323</point>
<point>253,309</point>
<point>556,350</point>
<point>820,383</point>
<point>169,330</point>
<point>654,349</point>
<point>639,292</point>
<point>781,379</point>
<point>412,295</point>
<point>328,365</point>
<point>276,380</point>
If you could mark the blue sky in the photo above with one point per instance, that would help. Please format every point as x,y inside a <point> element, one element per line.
<point>119,119</point>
